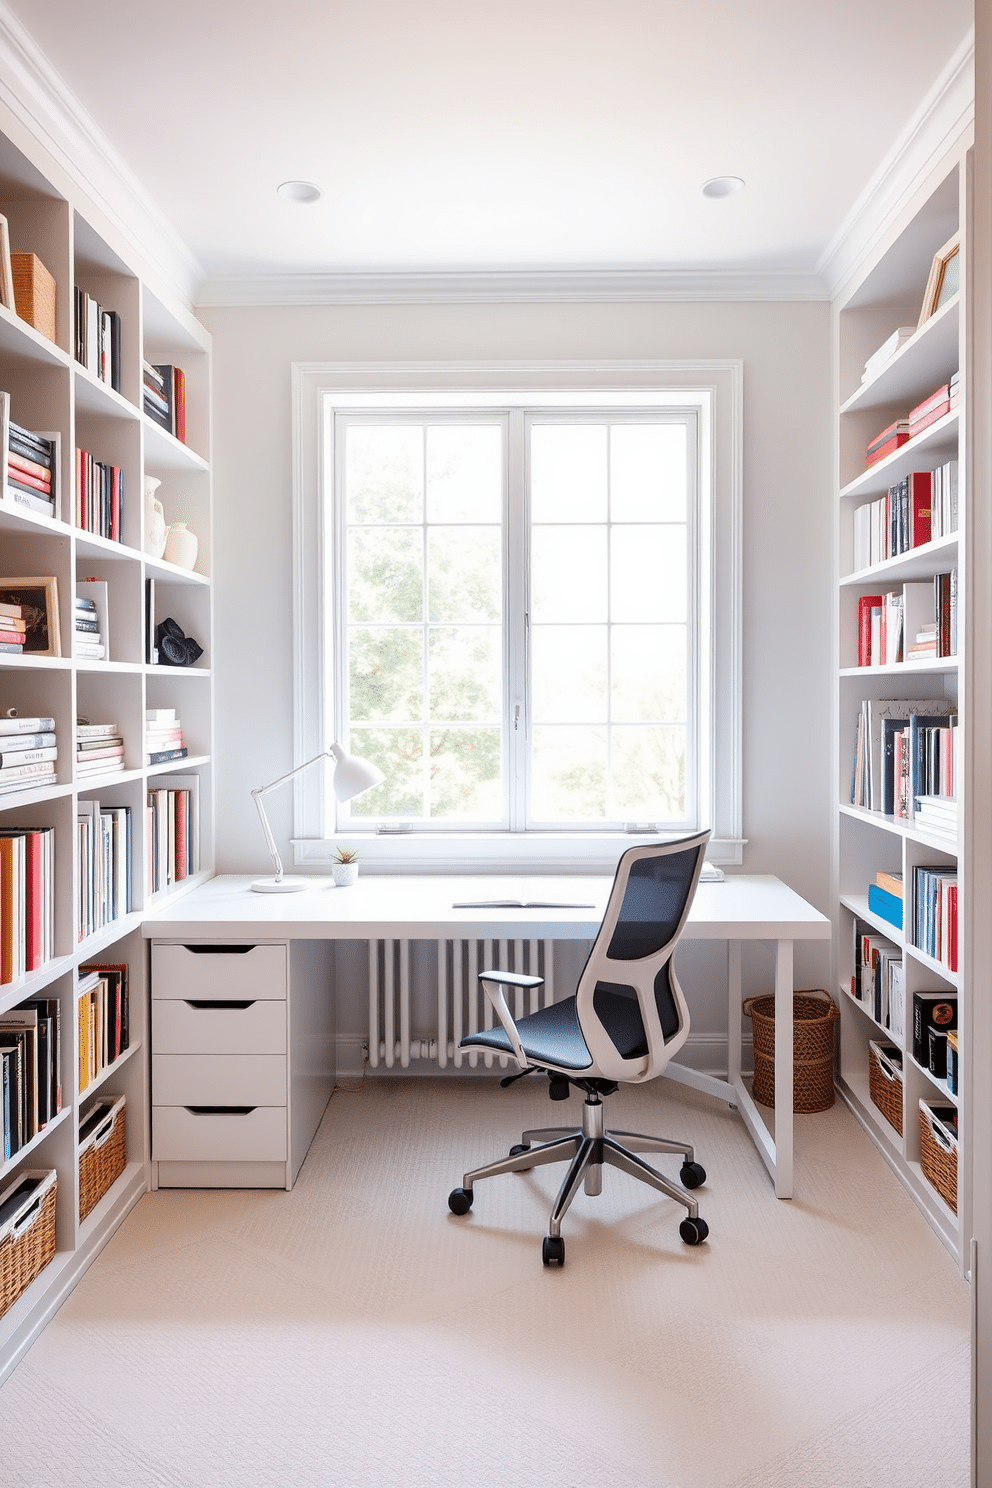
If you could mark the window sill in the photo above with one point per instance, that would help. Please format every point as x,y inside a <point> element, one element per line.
<point>489,852</point>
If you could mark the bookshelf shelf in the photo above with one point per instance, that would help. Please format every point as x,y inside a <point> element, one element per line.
<point>882,295</point>
<point>51,392</point>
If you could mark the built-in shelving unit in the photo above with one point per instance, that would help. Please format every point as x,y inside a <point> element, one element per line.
<point>887,293</point>
<point>51,391</point>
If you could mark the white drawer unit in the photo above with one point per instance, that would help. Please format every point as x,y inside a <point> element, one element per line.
<point>242,1060</point>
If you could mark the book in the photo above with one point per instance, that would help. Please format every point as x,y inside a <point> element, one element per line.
<point>87,730</point>
<point>16,743</point>
<point>866,603</point>
<point>886,351</point>
<point>931,1010</point>
<point>890,882</point>
<point>887,906</point>
<point>163,756</point>
<point>930,410</point>
<point>890,439</point>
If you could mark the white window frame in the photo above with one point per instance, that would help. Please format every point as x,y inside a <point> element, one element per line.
<point>714,389</point>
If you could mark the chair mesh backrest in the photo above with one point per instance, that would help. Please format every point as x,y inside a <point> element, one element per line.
<point>653,903</point>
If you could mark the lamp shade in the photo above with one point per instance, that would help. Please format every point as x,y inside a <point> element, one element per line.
<point>352,774</point>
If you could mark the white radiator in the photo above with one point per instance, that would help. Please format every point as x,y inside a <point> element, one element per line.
<point>455,1004</point>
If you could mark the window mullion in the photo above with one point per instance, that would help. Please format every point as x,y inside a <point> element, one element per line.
<point>515,534</point>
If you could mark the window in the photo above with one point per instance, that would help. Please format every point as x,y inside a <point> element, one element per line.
<point>513,601</point>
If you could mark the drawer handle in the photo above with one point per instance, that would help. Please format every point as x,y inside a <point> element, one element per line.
<point>220,1110</point>
<point>206,1002</point>
<point>219,950</point>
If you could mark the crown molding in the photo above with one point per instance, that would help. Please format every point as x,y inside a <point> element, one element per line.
<point>36,96</point>
<point>502,286</point>
<point>941,118</point>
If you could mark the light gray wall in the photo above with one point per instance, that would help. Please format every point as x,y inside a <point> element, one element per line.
<point>787,541</point>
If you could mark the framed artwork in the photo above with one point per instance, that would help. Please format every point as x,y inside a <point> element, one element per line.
<point>39,602</point>
<point>6,272</point>
<point>944,280</point>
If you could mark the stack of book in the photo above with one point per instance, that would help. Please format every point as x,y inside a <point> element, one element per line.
<point>12,628</point>
<point>99,749</point>
<point>103,844</point>
<point>98,339</point>
<point>892,437</point>
<point>885,897</point>
<point>30,463</point>
<point>886,352</point>
<point>26,900</point>
<point>935,897</point>
<point>102,1005</point>
<point>938,816</point>
<point>99,497</point>
<point>164,397</point>
<point>30,1071</point>
<point>944,500</point>
<point>163,736</point>
<point>173,833</point>
<point>878,981</point>
<point>89,640</point>
<point>935,1015</point>
<point>28,753</point>
<point>939,403</point>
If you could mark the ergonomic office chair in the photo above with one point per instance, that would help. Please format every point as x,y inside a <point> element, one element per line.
<point>626,1020</point>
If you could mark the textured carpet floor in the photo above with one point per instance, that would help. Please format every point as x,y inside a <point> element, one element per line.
<point>354,1333</point>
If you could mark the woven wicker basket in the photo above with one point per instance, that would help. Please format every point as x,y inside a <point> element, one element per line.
<point>814,1015</point>
<point>27,1239</point>
<point>885,1081</point>
<point>103,1156</point>
<point>939,1151</point>
<point>34,292</point>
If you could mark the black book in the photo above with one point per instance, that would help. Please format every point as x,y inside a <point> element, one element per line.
<point>19,446</point>
<point>938,1010</point>
<point>115,350</point>
<point>32,440</point>
<point>45,1112</point>
<point>162,756</point>
<point>87,626</point>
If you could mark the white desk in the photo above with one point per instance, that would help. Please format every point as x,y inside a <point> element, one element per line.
<point>421,908</point>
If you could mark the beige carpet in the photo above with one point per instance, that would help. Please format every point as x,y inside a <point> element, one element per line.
<point>354,1333</point>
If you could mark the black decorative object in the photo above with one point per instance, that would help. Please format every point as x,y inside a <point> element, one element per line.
<point>175,648</point>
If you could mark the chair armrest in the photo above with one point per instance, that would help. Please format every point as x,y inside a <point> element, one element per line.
<point>496,997</point>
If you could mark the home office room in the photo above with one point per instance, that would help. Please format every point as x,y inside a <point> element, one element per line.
<point>493,681</point>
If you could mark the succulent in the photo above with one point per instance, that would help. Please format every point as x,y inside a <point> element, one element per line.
<point>345,855</point>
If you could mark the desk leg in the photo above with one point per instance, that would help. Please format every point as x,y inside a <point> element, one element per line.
<point>783,1069</point>
<point>733,1011</point>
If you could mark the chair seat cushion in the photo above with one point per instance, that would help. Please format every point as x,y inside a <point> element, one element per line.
<point>552,1037</point>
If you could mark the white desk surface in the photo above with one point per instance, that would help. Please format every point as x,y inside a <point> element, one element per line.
<point>745,907</point>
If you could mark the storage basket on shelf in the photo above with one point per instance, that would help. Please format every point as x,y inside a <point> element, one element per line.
<point>814,1016</point>
<point>102,1149</point>
<point>885,1081</point>
<point>27,1231</point>
<point>34,292</point>
<point>939,1150</point>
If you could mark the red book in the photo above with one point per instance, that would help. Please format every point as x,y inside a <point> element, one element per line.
<point>179,402</point>
<point>939,399</point>
<point>866,604</point>
<point>182,834</point>
<point>918,425</point>
<point>28,467</point>
<point>920,491</point>
<point>44,486</point>
<point>952,928</point>
<point>12,637</point>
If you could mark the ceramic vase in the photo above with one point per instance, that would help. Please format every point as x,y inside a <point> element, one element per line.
<point>181,546</point>
<point>155,528</point>
<point>344,874</point>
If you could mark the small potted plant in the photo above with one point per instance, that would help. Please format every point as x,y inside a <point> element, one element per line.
<point>345,867</point>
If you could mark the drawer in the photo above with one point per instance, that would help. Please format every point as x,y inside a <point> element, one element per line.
<point>219,1079</point>
<point>219,973</point>
<point>192,1027</point>
<point>259,1135</point>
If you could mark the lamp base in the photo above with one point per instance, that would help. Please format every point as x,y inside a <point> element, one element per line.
<point>281,885</point>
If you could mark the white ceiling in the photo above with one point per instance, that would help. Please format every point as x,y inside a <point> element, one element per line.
<point>526,135</point>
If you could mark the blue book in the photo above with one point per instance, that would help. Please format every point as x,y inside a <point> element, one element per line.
<point>886,905</point>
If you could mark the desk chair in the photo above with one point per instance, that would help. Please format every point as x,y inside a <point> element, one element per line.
<point>627,1019</point>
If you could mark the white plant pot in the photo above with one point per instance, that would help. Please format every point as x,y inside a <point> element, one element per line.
<point>344,874</point>
<point>181,546</point>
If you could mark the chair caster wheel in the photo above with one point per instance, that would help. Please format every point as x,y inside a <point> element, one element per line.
<point>516,1150</point>
<point>692,1174</point>
<point>460,1200</point>
<point>694,1231</point>
<point>553,1250</point>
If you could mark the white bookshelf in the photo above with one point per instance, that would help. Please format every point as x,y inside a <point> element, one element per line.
<point>886,292</point>
<point>50,391</point>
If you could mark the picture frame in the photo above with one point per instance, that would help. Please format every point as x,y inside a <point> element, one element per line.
<point>6,271</point>
<point>943,280</point>
<point>39,601</point>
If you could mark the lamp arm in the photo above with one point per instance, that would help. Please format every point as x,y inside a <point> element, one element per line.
<point>263,790</point>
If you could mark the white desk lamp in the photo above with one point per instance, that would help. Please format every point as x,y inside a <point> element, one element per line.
<point>352,775</point>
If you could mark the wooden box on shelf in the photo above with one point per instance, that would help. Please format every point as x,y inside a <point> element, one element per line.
<point>939,1150</point>
<point>885,1081</point>
<point>27,1232</point>
<point>34,292</point>
<point>102,1149</point>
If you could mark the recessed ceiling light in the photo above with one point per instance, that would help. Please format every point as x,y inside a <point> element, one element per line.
<point>721,186</point>
<point>298,191</point>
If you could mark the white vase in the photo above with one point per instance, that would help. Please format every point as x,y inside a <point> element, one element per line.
<point>154,516</point>
<point>344,874</point>
<point>181,546</point>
